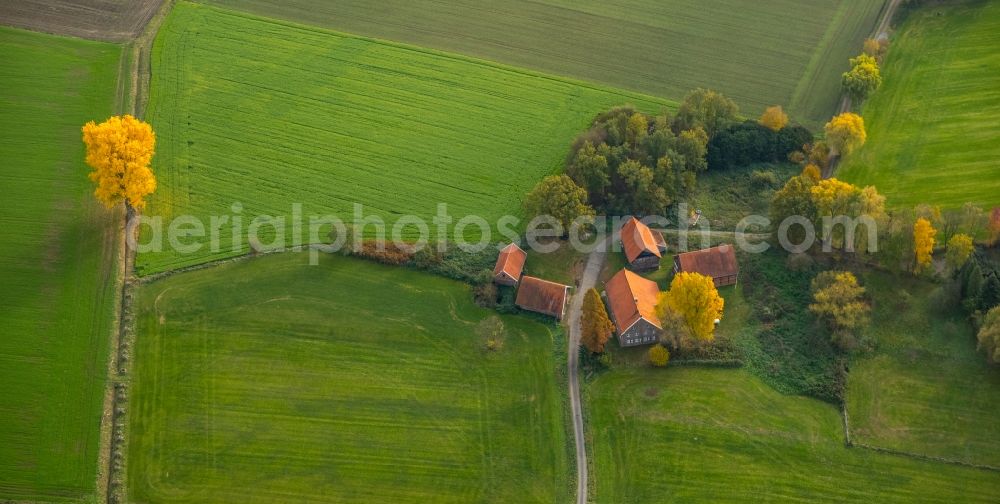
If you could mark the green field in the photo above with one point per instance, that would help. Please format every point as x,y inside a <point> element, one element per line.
<point>273,381</point>
<point>932,127</point>
<point>687,434</point>
<point>270,114</point>
<point>786,52</point>
<point>57,251</point>
<point>925,389</point>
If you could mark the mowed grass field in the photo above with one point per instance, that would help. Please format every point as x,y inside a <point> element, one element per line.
<point>925,389</point>
<point>268,114</point>
<point>689,434</point>
<point>932,127</point>
<point>273,381</point>
<point>785,52</point>
<point>57,248</point>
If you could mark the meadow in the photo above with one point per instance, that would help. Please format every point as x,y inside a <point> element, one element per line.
<point>924,389</point>
<point>932,128</point>
<point>661,47</point>
<point>268,113</point>
<point>268,380</point>
<point>57,250</point>
<point>692,434</point>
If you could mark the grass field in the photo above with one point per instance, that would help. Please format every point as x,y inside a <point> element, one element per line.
<point>925,389</point>
<point>688,434</point>
<point>269,114</point>
<point>57,249</point>
<point>273,381</point>
<point>932,128</point>
<point>748,50</point>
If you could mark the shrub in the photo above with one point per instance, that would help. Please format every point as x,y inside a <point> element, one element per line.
<point>764,179</point>
<point>658,355</point>
<point>385,252</point>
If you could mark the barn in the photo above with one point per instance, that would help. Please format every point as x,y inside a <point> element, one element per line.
<point>719,263</point>
<point>632,302</point>
<point>542,296</point>
<point>640,245</point>
<point>510,264</point>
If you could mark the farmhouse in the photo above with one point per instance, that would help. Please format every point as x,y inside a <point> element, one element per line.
<point>542,296</point>
<point>640,245</point>
<point>509,265</point>
<point>716,262</point>
<point>632,300</point>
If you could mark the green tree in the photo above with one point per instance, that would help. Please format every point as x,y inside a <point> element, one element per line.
<point>989,335</point>
<point>589,170</point>
<point>642,195</point>
<point>559,197</point>
<point>794,199</point>
<point>658,355</point>
<point>595,326</point>
<point>863,78</point>
<point>637,129</point>
<point>989,294</point>
<point>706,108</point>
<point>693,145</point>
<point>839,300</point>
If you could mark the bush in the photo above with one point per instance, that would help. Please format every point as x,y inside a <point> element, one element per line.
<point>658,355</point>
<point>485,295</point>
<point>385,252</point>
<point>764,179</point>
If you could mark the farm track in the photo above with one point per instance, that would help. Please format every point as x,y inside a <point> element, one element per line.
<point>881,31</point>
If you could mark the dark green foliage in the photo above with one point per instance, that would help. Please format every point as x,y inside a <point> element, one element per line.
<point>791,352</point>
<point>639,169</point>
<point>749,142</point>
<point>980,281</point>
<point>458,264</point>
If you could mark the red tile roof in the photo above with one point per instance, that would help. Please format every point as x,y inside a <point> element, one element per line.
<point>632,297</point>
<point>713,262</point>
<point>542,296</point>
<point>636,239</point>
<point>511,261</point>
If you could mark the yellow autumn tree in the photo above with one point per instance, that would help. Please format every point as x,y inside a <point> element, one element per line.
<point>923,243</point>
<point>119,151</point>
<point>694,297</point>
<point>595,326</point>
<point>774,118</point>
<point>839,299</point>
<point>960,248</point>
<point>846,132</point>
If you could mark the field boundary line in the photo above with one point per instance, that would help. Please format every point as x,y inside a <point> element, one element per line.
<point>850,443</point>
<point>113,449</point>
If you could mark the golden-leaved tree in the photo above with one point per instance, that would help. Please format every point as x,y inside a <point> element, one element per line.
<point>846,132</point>
<point>839,299</point>
<point>923,243</point>
<point>774,118</point>
<point>960,247</point>
<point>119,151</point>
<point>694,297</point>
<point>595,326</point>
